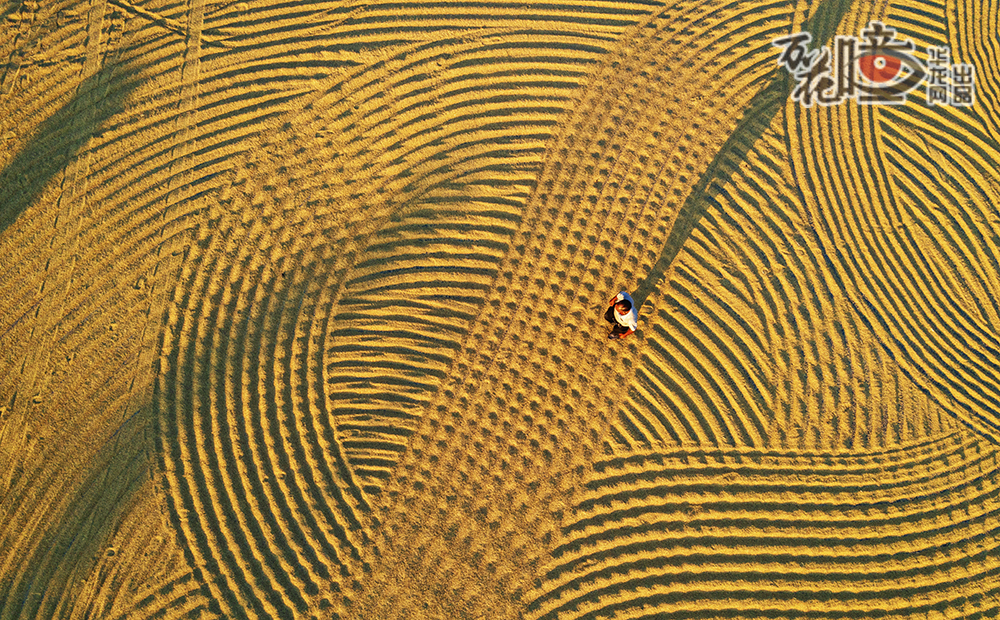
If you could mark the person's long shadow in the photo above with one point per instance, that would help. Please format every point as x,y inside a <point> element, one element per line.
<point>58,139</point>
<point>759,114</point>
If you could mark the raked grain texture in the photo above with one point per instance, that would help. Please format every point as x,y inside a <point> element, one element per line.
<point>301,314</point>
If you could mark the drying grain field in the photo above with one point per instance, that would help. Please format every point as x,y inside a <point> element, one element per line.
<point>301,314</point>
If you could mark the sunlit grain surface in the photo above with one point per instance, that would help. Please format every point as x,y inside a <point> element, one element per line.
<point>300,315</point>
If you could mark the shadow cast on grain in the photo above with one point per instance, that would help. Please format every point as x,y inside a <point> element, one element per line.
<point>759,114</point>
<point>77,539</point>
<point>60,138</point>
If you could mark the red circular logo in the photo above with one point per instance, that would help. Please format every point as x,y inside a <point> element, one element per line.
<point>879,67</point>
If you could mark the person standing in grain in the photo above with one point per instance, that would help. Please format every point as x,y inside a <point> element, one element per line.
<point>623,316</point>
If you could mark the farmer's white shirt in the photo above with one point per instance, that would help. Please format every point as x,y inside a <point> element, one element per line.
<point>631,318</point>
